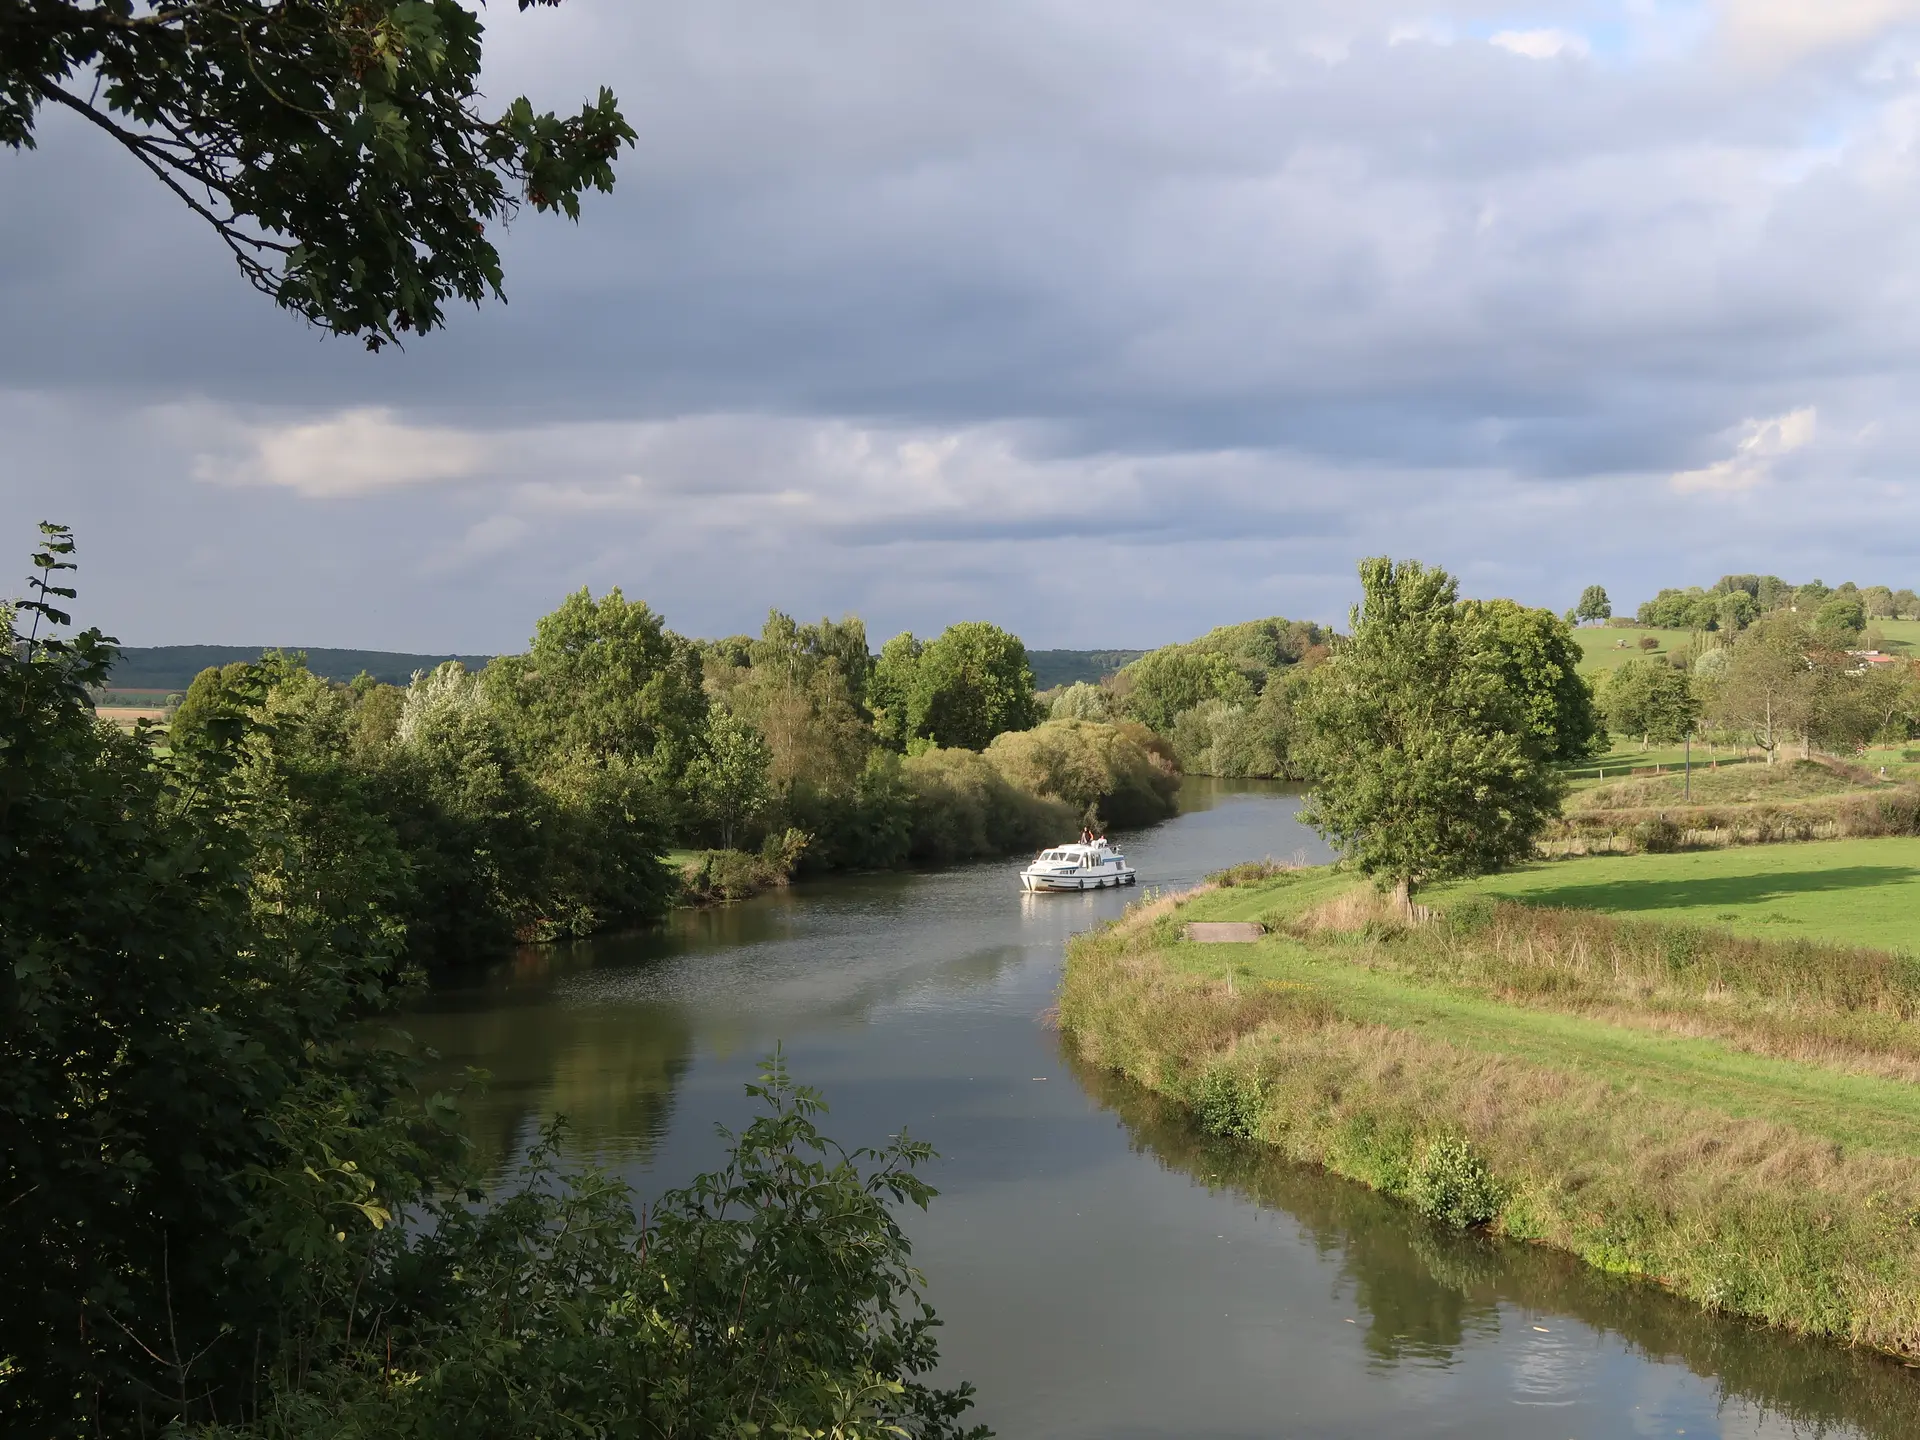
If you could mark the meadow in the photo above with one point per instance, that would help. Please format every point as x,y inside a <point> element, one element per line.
<point>1607,647</point>
<point>1727,1107</point>
<point>1853,892</point>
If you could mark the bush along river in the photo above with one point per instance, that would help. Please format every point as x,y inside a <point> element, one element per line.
<point>1102,1268</point>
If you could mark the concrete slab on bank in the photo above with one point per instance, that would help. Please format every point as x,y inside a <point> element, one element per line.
<point>1225,932</point>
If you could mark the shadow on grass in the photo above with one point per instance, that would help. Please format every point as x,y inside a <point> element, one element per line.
<point>1718,889</point>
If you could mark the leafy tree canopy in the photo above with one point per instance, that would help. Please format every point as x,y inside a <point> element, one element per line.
<point>604,678</point>
<point>1425,761</point>
<point>1594,604</point>
<point>1538,660</point>
<point>335,146</point>
<point>971,684</point>
<point>1651,700</point>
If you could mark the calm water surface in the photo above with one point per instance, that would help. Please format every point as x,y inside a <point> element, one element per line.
<point>1104,1271</point>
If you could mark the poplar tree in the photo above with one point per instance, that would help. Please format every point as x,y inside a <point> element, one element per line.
<point>1424,761</point>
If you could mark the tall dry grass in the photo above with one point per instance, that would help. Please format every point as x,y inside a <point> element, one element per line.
<point>1744,1215</point>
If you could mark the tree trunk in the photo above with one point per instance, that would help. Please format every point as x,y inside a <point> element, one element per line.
<point>1403,897</point>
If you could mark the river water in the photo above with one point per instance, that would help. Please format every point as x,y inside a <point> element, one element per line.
<point>1101,1269</point>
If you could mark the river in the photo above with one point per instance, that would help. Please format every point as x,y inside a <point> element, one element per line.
<point>1101,1269</point>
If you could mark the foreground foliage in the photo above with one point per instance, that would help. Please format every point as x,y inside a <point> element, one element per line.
<point>333,147</point>
<point>227,1204</point>
<point>773,1296</point>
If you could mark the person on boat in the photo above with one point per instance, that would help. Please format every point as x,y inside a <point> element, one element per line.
<point>1086,834</point>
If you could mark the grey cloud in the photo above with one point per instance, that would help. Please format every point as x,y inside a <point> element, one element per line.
<point>1438,296</point>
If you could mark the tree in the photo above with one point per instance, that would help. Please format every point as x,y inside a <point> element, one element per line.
<point>1766,686</point>
<point>1839,621</point>
<point>1734,611</point>
<point>603,678</point>
<point>1594,604</point>
<point>1906,605</point>
<point>729,776</point>
<point>890,690</point>
<point>969,685</point>
<point>1879,602</point>
<point>1082,701</point>
<point>336,149</point>
<point>1810,595</point>
<point>191,948</point>
<point>1424,762</point>
<point>1160,686</point>
<point>1651,700</point>
<point>1539,663</point>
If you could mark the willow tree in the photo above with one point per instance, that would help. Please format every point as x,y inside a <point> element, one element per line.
<point>1426,759</point>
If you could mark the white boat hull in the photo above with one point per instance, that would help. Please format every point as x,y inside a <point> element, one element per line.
<point>1076,882</point>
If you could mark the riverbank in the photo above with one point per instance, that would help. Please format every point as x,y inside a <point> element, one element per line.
<point>1731,1117</point>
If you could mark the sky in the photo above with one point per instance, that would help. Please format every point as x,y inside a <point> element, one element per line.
<point>1106,321</point>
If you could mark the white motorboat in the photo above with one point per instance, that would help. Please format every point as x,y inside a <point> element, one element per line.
<point>1077,867</point>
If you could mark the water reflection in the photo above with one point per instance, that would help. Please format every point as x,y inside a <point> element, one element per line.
<point>1427,1296</point>
<point>1091,1293</point>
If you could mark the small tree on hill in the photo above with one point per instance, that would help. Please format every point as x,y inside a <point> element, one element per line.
<point>1651,700</point>
<point>1594,604</point>
<point>1767,686</point>
<point>1422,757</point>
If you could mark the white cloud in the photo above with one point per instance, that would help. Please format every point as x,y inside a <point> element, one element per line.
<point>352,452</point>
<point>1429,32</point>
<point>1777,32</point>
<point>1761,443</point>
<point>1542,44</point>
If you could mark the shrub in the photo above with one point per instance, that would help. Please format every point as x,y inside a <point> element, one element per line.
<point>1122,774</point>
<point>962,807</point>
<point>1657,836</point>
<point>1252,872</point>
<point>1649,642</point>
<point>1451,1184</point>
<point>1229,1104</point>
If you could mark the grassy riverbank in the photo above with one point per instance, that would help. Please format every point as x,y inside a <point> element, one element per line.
<point>1734,1117</point>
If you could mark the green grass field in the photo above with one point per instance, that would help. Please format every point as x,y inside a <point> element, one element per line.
<point>1850,892</point>
<point>1626,755</point>
<point>1601,647</point>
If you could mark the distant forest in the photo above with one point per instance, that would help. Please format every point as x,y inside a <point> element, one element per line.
<point>1054,668</point>
<point>172,667</point>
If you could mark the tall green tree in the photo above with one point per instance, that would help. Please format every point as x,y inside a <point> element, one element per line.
<point>336,147</point>
<point>1424,761</point>
<point>1160,685</point>
<point>729,776</point>
<point>1594,604</point>
<point>190,947</point>
<point>971,684</point>
<point>890,692</point>
<point>603,679</point>
<point>1651,700</point>
<point>1539,663</point>
<point>1767,687</point>
<point>1839,621</point>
